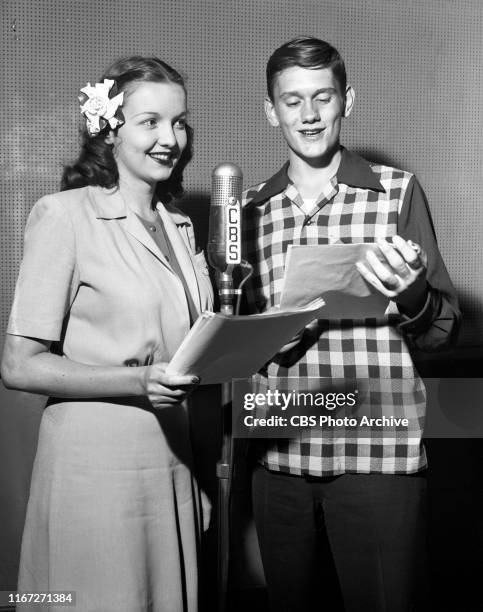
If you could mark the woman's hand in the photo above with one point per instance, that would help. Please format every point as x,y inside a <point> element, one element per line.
<point>28,365</point>
<point>400,275</point>
<point>164,390</point>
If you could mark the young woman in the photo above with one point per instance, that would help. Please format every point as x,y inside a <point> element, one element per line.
<point>110,279</point>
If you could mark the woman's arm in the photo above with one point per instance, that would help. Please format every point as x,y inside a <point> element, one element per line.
<point>28,365</point>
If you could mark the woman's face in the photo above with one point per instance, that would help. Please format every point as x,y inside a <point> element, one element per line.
<point>149,144</point>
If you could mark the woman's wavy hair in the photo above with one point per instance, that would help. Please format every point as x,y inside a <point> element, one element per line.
<point>96,164</point>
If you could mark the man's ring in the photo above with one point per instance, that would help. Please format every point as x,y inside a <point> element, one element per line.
<point>417,263</point>
<point>392,283</point>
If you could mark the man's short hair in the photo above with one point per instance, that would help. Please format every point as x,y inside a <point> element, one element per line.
<point>306,52</point>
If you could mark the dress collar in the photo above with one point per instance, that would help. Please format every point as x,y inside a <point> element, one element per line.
<point>109,204</point>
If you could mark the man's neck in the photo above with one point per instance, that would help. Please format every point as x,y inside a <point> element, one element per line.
<point>310,179</point>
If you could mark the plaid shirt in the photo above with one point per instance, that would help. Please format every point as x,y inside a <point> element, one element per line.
<point>361,203</point>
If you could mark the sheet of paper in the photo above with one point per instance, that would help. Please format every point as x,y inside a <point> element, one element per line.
<point>219,348</point>
<point>329,271</point>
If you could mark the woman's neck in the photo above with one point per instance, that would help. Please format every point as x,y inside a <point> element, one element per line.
<point>138,197</point>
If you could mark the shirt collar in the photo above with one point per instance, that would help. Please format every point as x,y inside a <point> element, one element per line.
<point>353,170</point>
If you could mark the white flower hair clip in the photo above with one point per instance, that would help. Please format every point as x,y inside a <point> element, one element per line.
<point>99,109</point>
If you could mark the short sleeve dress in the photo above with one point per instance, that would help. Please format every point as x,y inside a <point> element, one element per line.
<point>114,512</point>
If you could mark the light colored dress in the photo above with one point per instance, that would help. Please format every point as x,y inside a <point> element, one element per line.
<point>114,512</point>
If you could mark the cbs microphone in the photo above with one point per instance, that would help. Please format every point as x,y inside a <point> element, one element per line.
<point>224,234</point>
<point>224,238</point>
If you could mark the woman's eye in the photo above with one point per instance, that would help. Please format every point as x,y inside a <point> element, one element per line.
<point>149,122</point>
<point>180,124</point>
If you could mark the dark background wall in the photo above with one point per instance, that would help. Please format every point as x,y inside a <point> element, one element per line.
<point>416,67</point>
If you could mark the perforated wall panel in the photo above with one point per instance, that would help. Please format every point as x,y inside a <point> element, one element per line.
<point>415,66</point>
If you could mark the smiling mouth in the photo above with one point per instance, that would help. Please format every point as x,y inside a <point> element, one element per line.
<point>311,133</point>
<point>165,159</point>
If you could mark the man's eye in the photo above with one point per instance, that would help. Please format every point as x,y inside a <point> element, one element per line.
<point>292,103</point>
<point>323,100</point>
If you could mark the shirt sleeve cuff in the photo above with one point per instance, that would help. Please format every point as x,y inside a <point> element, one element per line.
<point>34,329</point>
<point>420,322</point>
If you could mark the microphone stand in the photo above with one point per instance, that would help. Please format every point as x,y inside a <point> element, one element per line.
<point>224,254</point>
<point>224,466</point>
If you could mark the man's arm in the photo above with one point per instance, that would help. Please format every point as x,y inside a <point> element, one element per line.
<point>436,325</point>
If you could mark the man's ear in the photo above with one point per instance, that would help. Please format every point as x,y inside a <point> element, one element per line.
<point>110,138</point>
<point>271,113</point>
<point>350,97</point>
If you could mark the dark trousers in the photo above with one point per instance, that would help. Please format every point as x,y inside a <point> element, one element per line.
<point>365,531</point>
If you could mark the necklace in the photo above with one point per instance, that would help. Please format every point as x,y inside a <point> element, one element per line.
<point>161,239</point>
<point>152,225</point>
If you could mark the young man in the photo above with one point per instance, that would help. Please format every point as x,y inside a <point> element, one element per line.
<point>362,499</point>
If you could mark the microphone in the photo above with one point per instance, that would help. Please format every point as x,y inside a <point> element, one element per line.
<point>224,253</point>
<point>224,234</point>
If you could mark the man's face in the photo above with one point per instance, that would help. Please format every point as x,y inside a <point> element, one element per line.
<point>308,106</point>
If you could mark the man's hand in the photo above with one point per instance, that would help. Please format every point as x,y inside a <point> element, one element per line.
<point>400,274</point>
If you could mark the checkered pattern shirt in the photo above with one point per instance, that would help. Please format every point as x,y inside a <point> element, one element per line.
<point>361,203</point>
